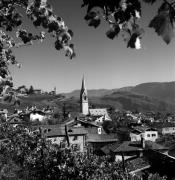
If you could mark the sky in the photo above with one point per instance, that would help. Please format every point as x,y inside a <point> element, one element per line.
<point>105,63</point>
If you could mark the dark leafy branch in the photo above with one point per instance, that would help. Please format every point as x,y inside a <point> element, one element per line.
<point>123,17</point>
<point>41,14</point>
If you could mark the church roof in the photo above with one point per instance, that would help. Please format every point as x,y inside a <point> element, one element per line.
<point>98,112</point>
<point>83,86</point>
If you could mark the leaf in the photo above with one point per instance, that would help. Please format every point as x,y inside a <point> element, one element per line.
<point>128,9</point>
<point>162,25</point>
<point>113,32</point>
<point>132,41</point>
<point>70,32</point>
<point>94,22</point>
<point>90,15</point>
<point>58,45</point>
<point>93,19</point>
<point>53,26</point>
<point>120,16</point>
<point>70,51</point>
<point>97,3</point>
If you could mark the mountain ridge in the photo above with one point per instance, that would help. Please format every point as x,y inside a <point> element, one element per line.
<point>164,91</point>
<point>154,96</point>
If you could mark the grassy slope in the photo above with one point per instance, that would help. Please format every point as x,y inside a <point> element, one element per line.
<point>163,91</point>
<point>118,100</point>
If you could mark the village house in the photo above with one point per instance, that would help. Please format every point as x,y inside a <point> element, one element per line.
<point>96,136</point>
<point>96,141</point>
<point>57,134</point>
<point>91,126</point>
<point>164,128</point>
<point>150,134</point>
<point>131,149</point>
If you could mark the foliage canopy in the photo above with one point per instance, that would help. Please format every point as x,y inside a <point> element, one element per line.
<point>123,16</point>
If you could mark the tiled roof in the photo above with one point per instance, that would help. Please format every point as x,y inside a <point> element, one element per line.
<point>126,146</point>
<point>88,123</point>
<point>106,149</point>
<point>98,112</point>
<point>55,131</point>
<point>129,146</point>
<point>137,164</point>
<point>142,129</point>
<point>101,138</point>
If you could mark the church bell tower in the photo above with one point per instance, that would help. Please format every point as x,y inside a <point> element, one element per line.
<point>84,107</point>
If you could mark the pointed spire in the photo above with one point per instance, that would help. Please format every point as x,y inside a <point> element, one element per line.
<point>83,86</point>
<point>84,107</point>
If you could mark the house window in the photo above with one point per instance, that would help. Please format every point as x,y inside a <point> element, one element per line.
<point>153,135</point>
<point>75,138</point>
<point>148,135</point>
<point>99,131</point>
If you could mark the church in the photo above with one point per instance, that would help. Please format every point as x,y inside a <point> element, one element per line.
<point>100,115</point>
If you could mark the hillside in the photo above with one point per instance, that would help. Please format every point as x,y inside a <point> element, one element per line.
<point>97,92</point>
<point>132,101</point>
<point>143,97</point>
<point>125,100</point>
<point>164,91</point>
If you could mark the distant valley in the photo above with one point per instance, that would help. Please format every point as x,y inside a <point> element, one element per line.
<point>164,91</point>
<point>154,96</point>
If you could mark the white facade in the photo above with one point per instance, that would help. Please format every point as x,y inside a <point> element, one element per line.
<point>168,130</point>
<point>148,135</point>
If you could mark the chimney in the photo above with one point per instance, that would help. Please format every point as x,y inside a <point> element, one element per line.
<point>143,141</point>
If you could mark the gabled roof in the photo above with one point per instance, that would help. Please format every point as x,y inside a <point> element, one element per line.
<point>98,112</point>
<point>107,149</point>
<point>88,123</point>
<point>136,165</point>
<point>142,129</point>
<point>97,138</point>
<point>56,131</point>
<point>130,146</point>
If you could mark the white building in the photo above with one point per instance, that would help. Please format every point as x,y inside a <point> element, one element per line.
<point>149,134</point>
